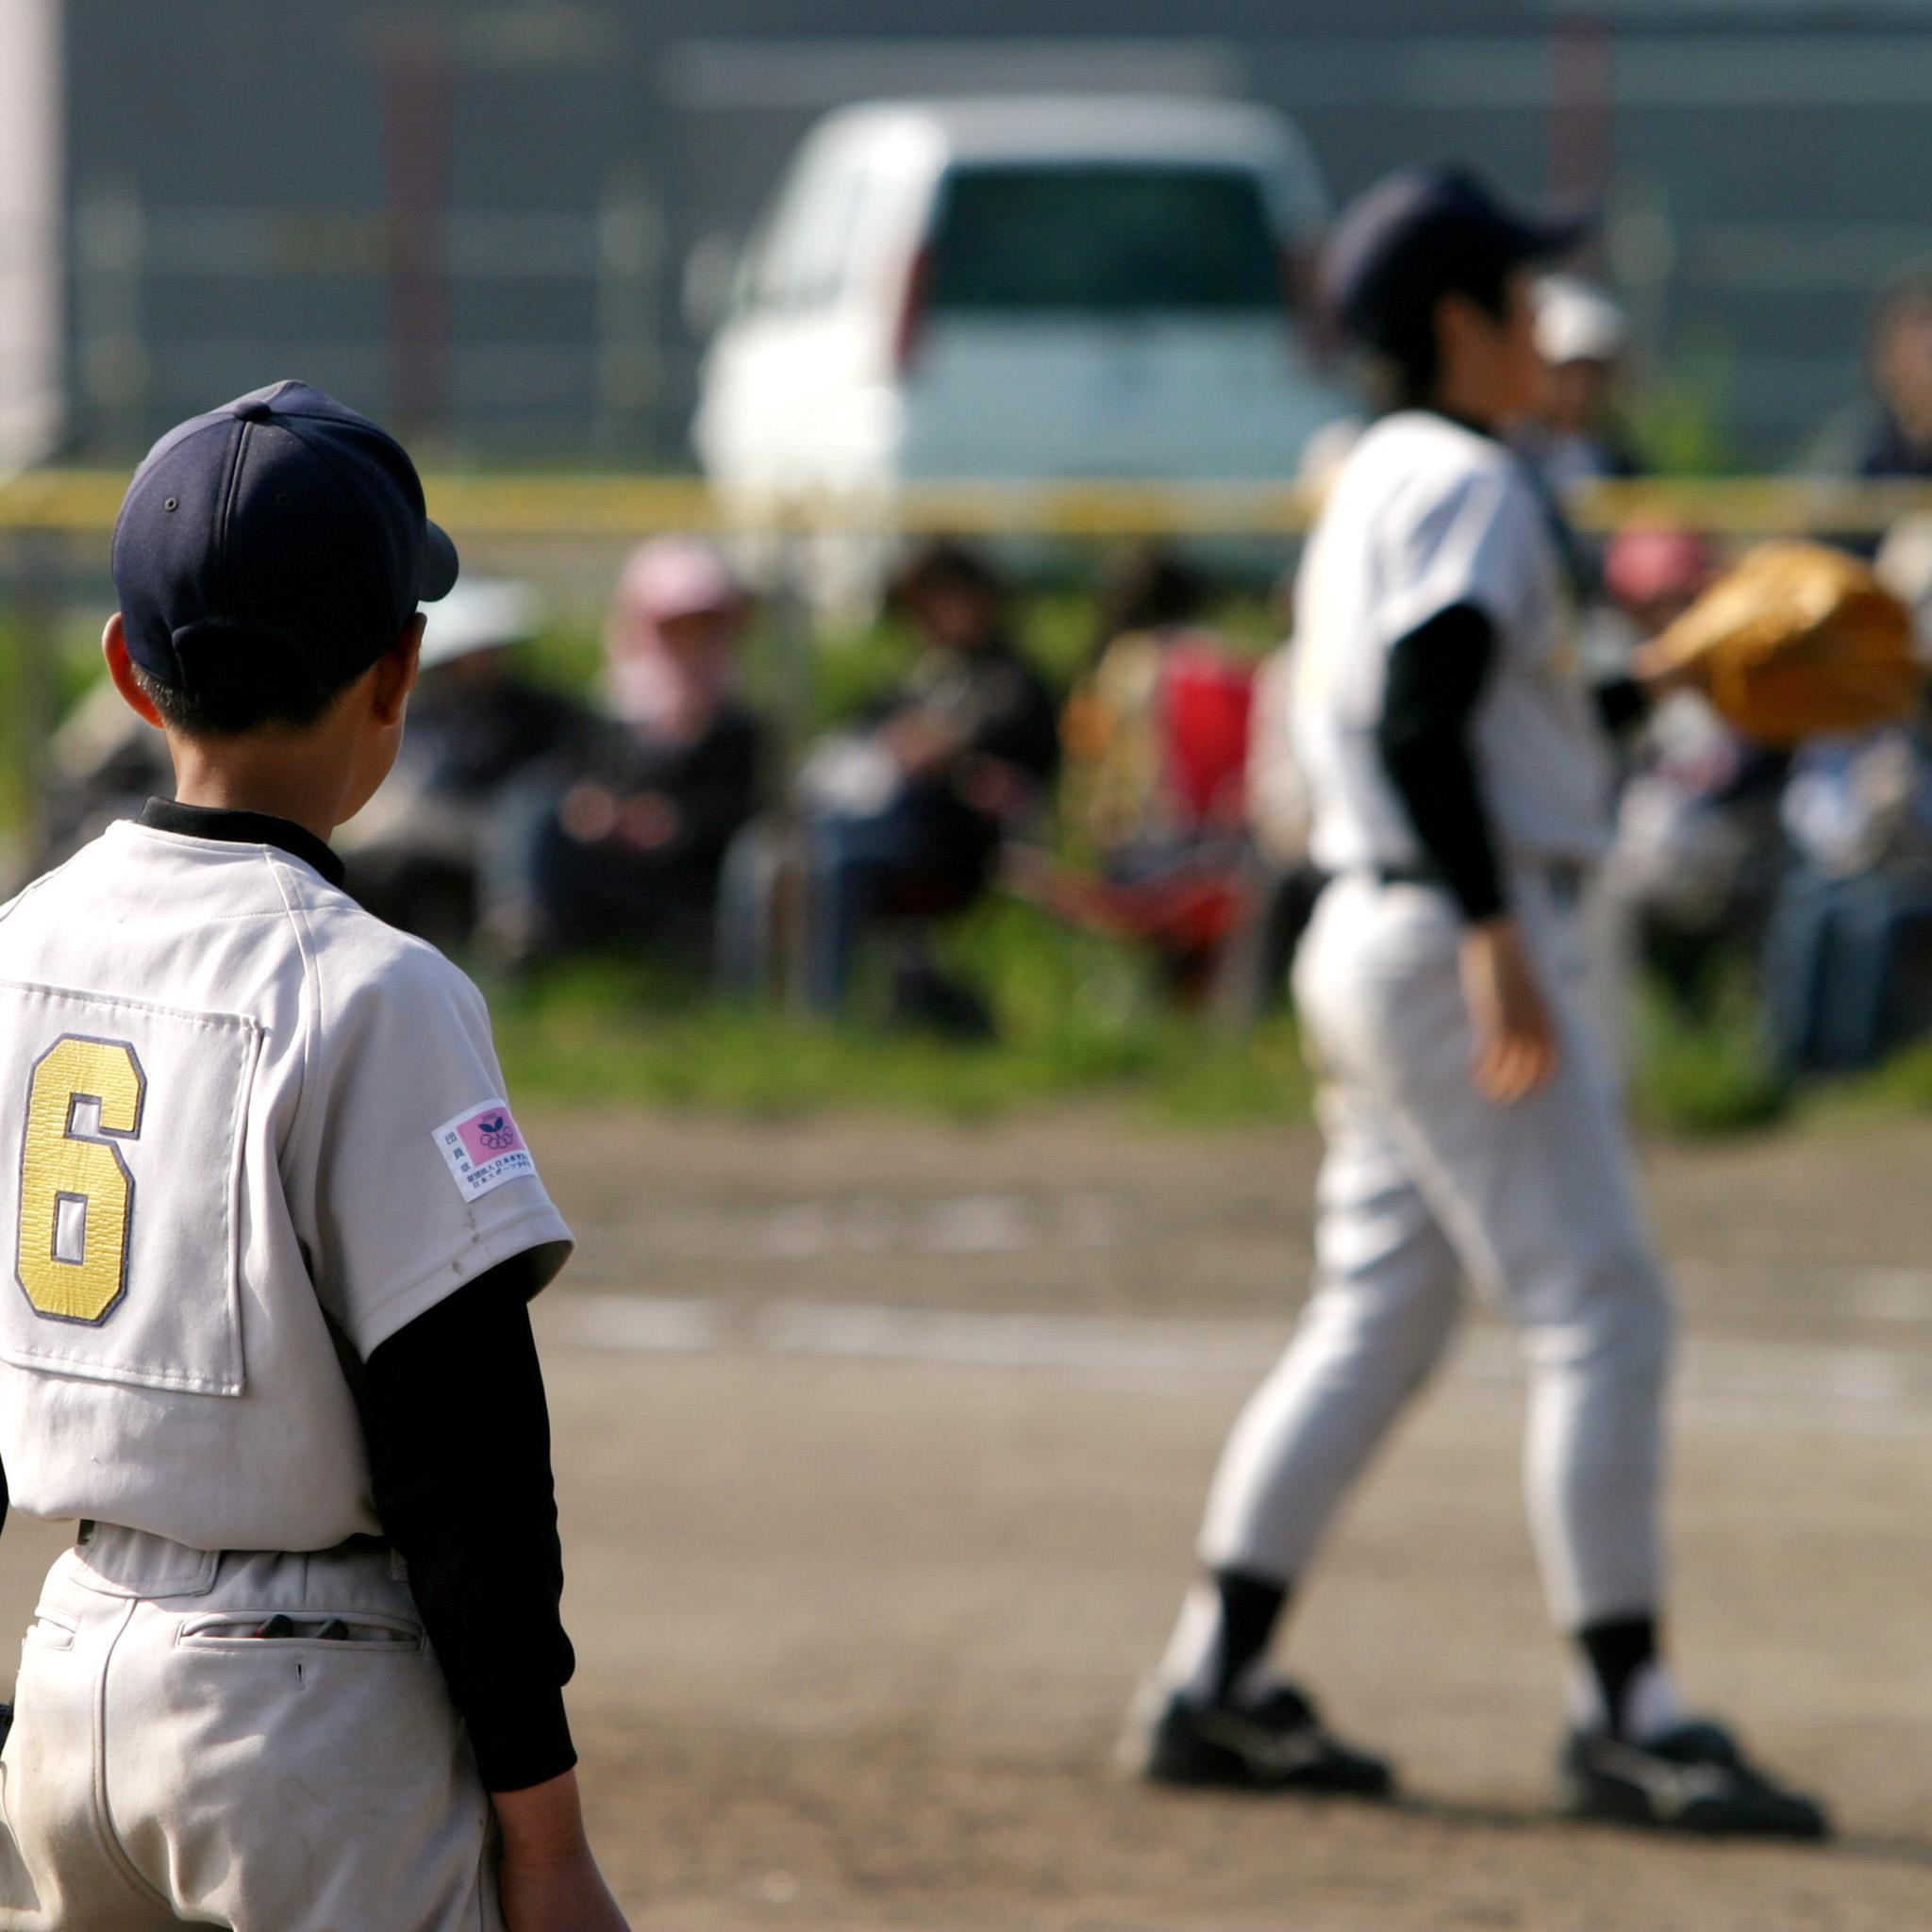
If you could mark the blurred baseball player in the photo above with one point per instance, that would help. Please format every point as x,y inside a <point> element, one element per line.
<point>271,1230</point>
<point>1457,771</point>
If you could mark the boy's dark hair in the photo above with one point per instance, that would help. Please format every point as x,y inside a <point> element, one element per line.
<point>1415,237</point>
<point>242,690</point>
<point>1404,350</point>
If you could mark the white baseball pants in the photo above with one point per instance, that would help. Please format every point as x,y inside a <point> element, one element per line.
<point>169,1764</point>
<point>1426,1182</point>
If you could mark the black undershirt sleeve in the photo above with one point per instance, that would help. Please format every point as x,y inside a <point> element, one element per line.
<point>460,1448</point>
<point>1436,678</point>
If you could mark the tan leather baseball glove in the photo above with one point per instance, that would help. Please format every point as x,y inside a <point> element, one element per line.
<point>1798,640</point>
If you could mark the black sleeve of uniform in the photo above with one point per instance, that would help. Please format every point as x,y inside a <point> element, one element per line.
<point>1436,676</point>
<point>460,1448</point>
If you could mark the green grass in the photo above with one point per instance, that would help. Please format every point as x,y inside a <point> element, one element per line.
<point>1718,1076</point>
<point>1082,1020</point>
<point>1899,1089</point>
<point>1079,1019</point>
<point>1713,1075</point>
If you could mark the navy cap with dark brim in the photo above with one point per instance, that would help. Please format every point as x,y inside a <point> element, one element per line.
<point>1414,233</point>
<point>440,564</point>
<point>283,520</point>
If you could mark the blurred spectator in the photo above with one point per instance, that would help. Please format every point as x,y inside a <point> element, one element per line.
<point>1861,805</point>
<point>1652,573</point>
<point>1898,360</point>
<point>1156,741</point>
<point>1323,456</point>
<point>1156,733</point>
<point>1850,958</point>
<point>104,763</point>
<point>1277,794</point>
<point>1279,882</point>
<point>1699,849</point>
<point>476,727</point>
<point>1576,439</point>
<point>632,849</point>
<point>905,816</point>
<point>1904,566</point>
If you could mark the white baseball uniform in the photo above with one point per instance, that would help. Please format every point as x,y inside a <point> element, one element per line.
<point>1424,1180</point>
<point>250,1133</point>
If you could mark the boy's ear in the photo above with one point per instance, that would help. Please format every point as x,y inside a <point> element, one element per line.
<point>121,670</point>
<point>395,671</point>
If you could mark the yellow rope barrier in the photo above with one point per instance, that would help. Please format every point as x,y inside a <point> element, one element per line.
<point>561,507</point>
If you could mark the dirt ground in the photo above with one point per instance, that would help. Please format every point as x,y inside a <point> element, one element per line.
<point>881,1448</point>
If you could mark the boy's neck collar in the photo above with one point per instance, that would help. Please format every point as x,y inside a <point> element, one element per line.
<point>244,828</point>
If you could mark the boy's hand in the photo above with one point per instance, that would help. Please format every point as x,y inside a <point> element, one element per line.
<point>548,1880</point>
<point>1515,1038</point>
<point>568,1897</point>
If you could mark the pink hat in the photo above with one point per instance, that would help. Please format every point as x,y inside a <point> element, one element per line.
<point>1648,562</point>
<point>677,577</point>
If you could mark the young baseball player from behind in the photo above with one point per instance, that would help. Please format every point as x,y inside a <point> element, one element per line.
<point>272,1229</point>
<point>1457,782</point>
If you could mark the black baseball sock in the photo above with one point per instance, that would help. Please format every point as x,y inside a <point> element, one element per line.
<point>1250,1608</point>
<point>1619,1649</point>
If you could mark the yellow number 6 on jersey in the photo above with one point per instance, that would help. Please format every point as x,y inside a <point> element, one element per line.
<point>76,1197</point>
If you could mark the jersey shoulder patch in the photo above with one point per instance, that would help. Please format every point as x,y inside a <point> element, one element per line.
<point>483,1149</point>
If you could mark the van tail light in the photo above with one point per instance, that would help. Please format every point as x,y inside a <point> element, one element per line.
<point>912,301</point>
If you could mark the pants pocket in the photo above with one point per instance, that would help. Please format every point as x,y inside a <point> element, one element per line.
<point>50,1630</point>
<point>347,1633</point>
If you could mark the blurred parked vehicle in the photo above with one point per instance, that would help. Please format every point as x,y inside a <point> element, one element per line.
<point>1025,289</point>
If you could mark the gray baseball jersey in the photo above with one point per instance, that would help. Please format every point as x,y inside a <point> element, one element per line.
<point>1425,515</point>
<point>246,1128</point>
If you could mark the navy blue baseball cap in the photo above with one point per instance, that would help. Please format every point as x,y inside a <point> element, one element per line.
<point>1423,232</point>
<point>281,522</point>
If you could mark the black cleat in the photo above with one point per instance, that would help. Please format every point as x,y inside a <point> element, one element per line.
<point>1692,1780</point>
<point>1277,1744</point>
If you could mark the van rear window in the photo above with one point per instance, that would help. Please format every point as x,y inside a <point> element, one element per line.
<point>1103,239</point>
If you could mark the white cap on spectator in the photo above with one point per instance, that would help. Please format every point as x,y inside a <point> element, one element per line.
<point>1577,322</point>
<point>481,614</point>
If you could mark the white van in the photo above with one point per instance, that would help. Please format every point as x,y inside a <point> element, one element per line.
<point>1022,289</point>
